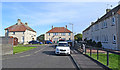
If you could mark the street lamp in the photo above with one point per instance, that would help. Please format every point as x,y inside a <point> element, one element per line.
<point>72,35</point>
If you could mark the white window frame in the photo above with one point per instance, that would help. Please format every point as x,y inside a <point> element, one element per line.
<point>13,33</point>
<point>114,38</point>
<point>113,20</point>
<point>105,24</point>
<point>69,34</point>
<point>63,34</point>
<point>49,34</point>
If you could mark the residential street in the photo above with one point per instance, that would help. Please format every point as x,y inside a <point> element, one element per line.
<point>41,57</point>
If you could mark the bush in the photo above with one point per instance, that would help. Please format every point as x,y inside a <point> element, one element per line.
<point>99,44</point>
<point>93,43</point>
<point>89,42</point>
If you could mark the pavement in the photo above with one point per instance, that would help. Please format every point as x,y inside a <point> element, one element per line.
<point>85,63</point>
<point>40,57</point>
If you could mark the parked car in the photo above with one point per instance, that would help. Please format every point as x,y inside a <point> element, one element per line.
<point>48,42</point>
<point>34,42</point>
<point>62,48</point>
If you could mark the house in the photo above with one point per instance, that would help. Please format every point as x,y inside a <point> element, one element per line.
<point>106,29</point>
<point>21,31</point>
<point>57,33</point>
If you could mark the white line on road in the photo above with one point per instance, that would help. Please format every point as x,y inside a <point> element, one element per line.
<point>39,50</point>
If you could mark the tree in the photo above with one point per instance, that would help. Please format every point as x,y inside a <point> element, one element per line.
<point>40,38</point>
<point>78,37</point>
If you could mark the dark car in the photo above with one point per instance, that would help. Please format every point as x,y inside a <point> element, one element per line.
<point>34,42</point>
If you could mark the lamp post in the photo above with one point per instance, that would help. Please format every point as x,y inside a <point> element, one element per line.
<point>72,35</point>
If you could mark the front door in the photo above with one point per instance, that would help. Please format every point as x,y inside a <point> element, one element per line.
<point>22,39</point>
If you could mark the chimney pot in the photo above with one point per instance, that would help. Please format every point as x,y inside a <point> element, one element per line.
<point>66,26</point>
<point>26,23</point>
<point>108,10</point>
<point>19,21</point>
<point>92,23</point>
<point>52,27</point>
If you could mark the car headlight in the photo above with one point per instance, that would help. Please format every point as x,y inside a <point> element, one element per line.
<point>68,49</point>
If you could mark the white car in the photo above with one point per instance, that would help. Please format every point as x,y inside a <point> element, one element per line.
<point>62,48</point>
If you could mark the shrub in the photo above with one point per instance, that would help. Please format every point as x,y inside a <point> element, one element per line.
<point>94,43</point>
<point>99,44</point>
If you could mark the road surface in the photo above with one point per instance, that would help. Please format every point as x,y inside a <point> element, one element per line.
<point>40,57</point>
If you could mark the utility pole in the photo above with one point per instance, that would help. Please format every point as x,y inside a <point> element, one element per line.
<point>72,35</point>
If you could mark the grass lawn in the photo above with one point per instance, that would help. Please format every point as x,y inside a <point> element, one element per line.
<point>21,48</point>
<point>113,60</point>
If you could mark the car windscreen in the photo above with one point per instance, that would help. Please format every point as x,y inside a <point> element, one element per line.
<point>62,44</point>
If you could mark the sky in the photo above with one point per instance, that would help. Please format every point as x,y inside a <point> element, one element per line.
<point>40,16</point>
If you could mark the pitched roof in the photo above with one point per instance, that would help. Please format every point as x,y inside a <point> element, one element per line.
<point>115,10</point>
<point>59,30</point>
<point>20,27</point>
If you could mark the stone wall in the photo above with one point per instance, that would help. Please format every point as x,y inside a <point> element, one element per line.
<point>6,44</point>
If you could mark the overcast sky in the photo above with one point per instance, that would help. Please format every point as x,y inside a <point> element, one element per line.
<point>40,16</point>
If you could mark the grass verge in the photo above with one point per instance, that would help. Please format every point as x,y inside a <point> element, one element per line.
<point>113,60</point>
<point>21,48</point>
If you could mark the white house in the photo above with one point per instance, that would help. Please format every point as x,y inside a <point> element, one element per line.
<point>57,33</point>
<point>106,29</point>
<point>21,31</point>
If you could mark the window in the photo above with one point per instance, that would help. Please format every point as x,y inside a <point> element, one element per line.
<point>97,27</point>
<point>22,39</point>
<point>63,34</point>
<point>49,34</point>
<point>114,38</point>
<point>113,20</point>
<point>69,34</point>
<point>55,33</point>
<point>63,44</point>
<point>105,24</point>
<point>13,33</point>
<point>105,38</point>
<point>102,25</point>
<point>7,32</point>
<point>69,39</point>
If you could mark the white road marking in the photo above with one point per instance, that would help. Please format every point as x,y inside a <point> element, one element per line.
<point>25,55</point>
<point>39,50</point>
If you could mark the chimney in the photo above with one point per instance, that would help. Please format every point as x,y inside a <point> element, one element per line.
<point>26,23</point>
<point>66,26</point>
<point>19,21</point>
<point>52,27</point>
<point>108,10</point>
<point>92,23</point>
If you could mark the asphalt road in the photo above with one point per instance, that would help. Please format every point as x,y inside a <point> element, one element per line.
<point>41,57</point>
